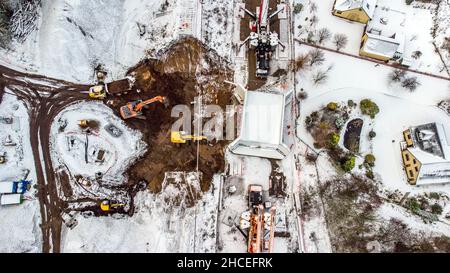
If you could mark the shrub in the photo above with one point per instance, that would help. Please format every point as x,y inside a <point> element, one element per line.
<point>349,163</point>
<point>298,8</point>
<point>372,134</point>
<point>333,139</point>
<point>413,205</point>
<point>350,103</point>
<point>332,106</point>
<point>369,159</point>
<point>369,108</point>
<point>370,174</point>
<point>408,2</point>
<point>436,209</point>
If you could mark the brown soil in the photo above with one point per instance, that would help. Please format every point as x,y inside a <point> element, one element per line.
<point>180,75</point>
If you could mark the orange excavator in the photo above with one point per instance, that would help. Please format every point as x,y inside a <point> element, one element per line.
<point>134,108</point>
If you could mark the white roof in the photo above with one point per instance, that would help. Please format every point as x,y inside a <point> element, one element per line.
<point>386,32</point>
<point>9,199</point>
<point>263,118</point>
<point>6,187</point>
<point>434,169</point>
<point>367,5</point>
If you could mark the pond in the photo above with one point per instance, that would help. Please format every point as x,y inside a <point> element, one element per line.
<point>352,135</point>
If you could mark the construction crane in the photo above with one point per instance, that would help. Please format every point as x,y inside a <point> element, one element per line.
<point>182,137</point>
<point>134,108</point>
<point>261,38</point>
<point>259,222</point>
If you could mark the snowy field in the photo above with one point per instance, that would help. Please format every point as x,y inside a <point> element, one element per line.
<point>20,231</point>
<point>68,146</point>
<point>419,22</point>
<point>158,225</point>
<point>73,37</point>
<point>399,109</point>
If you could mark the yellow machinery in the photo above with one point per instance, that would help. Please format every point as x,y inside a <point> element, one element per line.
<point>107,205</point>
<point>83,123</point>
<point>2,159</point>
<point>98,91</point>
<point>134,108</point>
<point>182,137</point>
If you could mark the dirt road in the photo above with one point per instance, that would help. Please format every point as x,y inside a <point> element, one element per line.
<point>44,99</point>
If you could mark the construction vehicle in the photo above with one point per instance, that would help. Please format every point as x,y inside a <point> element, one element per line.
<point>98,91</point>
<point>3,158</point>
<point>14,187</point>
<point>259,222</point>
<point>134,108</point>
<point>182,137</point>
<point>108,205</point>
<point>261,38</point>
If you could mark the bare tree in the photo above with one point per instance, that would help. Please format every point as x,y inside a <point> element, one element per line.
<point>323,35</point>
<point>410,83</point>
<point>313,7</point>
<point>316,56</point>
<point>340,41</point>
<point>320,77</point>
<point>397,75</point>
<point>301,62</point>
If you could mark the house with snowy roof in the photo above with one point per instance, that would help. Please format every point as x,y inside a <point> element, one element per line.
<point>385,37</point>
<point>426,154</point>
<point>355,10</point>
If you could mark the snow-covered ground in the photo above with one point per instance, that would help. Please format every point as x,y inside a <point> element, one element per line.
<point>419,22</point>
<point>73,37</point>
<point>20,231</point>
<point>355,79</point>
<point>68,145</point>
<point>158,225</point>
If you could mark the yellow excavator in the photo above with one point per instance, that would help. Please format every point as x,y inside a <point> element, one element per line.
<point>107,205</point>
<point>98,91</point>
<point>134,108</point>
<point>182,137</point>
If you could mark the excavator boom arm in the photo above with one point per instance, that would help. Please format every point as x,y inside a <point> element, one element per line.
<point>140,105</point>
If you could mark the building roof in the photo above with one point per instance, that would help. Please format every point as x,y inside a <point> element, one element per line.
<point>386,32</point>
<point>367,5</point>
<point>262,126</point>
<point>263,117</point>
<point>432,149</point>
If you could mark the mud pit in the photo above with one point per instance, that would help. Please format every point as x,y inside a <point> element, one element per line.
<point>186,70</point>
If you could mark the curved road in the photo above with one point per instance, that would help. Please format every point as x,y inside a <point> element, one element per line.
<point>44,99</point>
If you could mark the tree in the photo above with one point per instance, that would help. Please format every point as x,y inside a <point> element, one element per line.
<point>301,61</point>
<point>332,106</point>
<point>333,139</point>
<point>372,134</point>
<point>320,77</point>
<point>417,54</point>
<point>298,8</point>
<point>316,56</point>
<point>369,159</point>
<point>369,108</point>
<point>436,208</point>
<point>410,83</point>
<point>340,41</point>
<point>397,75</point>
<point>349,163</point>
<point>323,35</point>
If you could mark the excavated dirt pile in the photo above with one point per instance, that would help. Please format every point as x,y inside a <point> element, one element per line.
<point>182,72</point>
